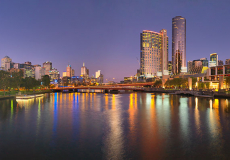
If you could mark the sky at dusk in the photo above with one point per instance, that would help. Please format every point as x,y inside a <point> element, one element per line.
<point>105,34</point>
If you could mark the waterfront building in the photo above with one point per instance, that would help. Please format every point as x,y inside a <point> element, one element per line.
<point>5,63</point>
<point>48,66</point>
<point>179,45</point>
<point>227,61</point>
<point>153,53</point>
<point>198,66</point>
<point>84,71</point>
<point>213,60</point>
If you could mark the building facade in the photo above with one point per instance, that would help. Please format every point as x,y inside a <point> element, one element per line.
<point>227,61</point>
<point>213,60</point>
<point>153,53</point>
<point>220,63</point>
<point>5,63</point>
<point>198,66</point>
<point>179,45</point>
<point>84,71</point>
<point>97,74</point>
<point>48,66</point>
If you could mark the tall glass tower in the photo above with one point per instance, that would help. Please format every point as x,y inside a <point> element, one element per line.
<point>179,45</point>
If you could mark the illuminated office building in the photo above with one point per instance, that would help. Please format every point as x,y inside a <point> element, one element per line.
<point>154,53</point>
<point>179,45</point>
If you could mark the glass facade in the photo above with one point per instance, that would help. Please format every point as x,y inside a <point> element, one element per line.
<point>227,69</point>
<point>178,44</point>
<point>220,70</point>
<point>213,71</point>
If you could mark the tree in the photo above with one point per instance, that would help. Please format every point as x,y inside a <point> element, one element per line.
<point>17,79</point>
<point>158,83</point>
<point>4,80</point>
<point>46,81</point>
<point>30,83</point>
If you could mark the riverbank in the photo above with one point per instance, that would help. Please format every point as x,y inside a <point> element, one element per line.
<point>200,92</point>
<point>14,94</point>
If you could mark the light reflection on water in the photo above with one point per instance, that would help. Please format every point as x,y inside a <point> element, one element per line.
<point>115,126</point>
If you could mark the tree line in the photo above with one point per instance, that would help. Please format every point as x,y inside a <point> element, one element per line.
<point>16,80</point>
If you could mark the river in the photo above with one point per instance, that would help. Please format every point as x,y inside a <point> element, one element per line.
<point>115,126</point>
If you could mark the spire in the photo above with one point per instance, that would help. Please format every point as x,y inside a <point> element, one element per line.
<point>83,64</point>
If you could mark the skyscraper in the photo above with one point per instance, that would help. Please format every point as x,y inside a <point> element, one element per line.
<point>179,45</point>
<point>154,53</point>
<point>48,66</point>
<point>68,71</point>
<point>84,71</point>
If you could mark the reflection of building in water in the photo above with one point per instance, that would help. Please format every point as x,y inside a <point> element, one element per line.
<point>114,140</point>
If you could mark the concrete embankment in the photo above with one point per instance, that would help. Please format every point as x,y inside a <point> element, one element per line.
<point>199,93</point>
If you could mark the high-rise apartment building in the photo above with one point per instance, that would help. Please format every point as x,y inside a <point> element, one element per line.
<point>154,53</point>
<point>227,61</point>
<point>48,66</point>
<point>179,45</point>
<point>213,60</point>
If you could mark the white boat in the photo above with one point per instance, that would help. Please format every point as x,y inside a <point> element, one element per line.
<point>28,96</point>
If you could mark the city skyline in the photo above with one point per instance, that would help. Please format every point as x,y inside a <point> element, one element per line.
<point>81,32</point>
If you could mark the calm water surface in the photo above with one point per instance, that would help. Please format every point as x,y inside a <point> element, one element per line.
<point>115,126</point>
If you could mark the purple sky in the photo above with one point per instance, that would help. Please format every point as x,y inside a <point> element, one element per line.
<point>105,34</point>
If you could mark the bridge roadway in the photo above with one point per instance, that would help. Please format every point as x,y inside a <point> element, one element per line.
<point>96,88</point>
<point>132,86</point>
